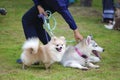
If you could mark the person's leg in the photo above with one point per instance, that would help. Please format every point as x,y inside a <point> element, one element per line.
<point>41,32</point>
<point>28,22</point>
<point>33,26</point>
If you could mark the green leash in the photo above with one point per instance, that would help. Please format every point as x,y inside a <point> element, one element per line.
<point>47,26</point>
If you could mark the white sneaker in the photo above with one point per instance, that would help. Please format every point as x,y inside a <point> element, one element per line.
<point>109,26</point>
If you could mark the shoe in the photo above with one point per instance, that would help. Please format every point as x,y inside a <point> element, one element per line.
<point>19,61</point>
<point>110,26</point>
<point>3,11</point>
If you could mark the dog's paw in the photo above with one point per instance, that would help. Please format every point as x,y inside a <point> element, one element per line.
<point>96,66</point>
<point>84,68</point>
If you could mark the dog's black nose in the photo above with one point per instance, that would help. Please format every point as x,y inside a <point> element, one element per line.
<point>103,50</point>
<point>60,47</point>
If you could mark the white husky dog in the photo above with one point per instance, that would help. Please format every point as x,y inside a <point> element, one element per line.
<point>81,56</point>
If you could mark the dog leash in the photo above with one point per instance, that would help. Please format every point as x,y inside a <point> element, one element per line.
<point>47,26</point>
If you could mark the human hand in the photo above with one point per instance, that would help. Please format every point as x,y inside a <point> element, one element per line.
<point>41,10</point>
<point>77,35</point>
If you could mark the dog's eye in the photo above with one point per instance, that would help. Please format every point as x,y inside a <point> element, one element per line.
<point>95,45</point>
<point>57,45</point>
<point>62,44</point>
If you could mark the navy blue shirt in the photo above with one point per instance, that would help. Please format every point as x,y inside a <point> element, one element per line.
<point>61,6</point>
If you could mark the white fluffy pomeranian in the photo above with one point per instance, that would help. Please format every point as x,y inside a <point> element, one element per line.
<point>52,52</point>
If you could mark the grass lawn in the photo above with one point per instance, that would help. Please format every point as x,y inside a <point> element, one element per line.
<point>88,21</point>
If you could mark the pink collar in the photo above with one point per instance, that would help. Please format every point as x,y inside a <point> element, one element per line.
<point>80,54</point>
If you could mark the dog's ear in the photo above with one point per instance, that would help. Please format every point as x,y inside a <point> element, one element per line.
<point>63,38</point>
<point>91,36</point>
<point>54,38</point>
<point>88,40</point>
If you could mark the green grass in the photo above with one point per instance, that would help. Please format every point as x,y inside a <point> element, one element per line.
<point>88,21</point>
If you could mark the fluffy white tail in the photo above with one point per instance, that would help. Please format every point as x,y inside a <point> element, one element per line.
<point>31,43</point>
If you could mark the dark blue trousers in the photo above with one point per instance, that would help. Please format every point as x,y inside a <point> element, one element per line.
<point>33,26</point>
<point>108,10</point>
<point>108,4</point>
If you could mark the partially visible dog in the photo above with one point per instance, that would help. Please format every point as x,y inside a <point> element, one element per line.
<point>116,26</point>
<point>47,54</point>
<point>79,56</point>
<point>117,19</point>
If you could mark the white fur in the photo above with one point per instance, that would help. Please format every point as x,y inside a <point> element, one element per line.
<point>57,56</point>
<point>94,59</point>
<point>31,43</point>
<point>72,59</point>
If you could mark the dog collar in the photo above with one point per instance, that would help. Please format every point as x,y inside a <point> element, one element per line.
<point>80,54</point>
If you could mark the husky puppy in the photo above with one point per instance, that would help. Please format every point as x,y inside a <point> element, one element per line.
<point>79,56</point>
<point>47,54</point>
